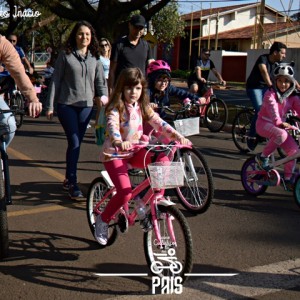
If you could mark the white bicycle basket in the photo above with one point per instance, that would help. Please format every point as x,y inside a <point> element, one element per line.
<point>187,127</point>
<point>166,175</point>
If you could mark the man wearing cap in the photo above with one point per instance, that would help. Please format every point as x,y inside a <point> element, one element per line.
<point>130,51</point>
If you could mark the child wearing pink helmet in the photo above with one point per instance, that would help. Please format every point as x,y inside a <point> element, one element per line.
<point>160,87</point>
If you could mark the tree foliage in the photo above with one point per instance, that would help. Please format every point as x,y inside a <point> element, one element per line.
<point>108,17</point>
<point>167,24</point>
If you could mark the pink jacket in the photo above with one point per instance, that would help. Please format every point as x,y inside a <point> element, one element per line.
<point>274,111</point>
<point>130,128</point>
<point>10,57</point>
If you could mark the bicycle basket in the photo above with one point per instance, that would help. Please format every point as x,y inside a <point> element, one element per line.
<point>166,175</point>
<point>188,126</point>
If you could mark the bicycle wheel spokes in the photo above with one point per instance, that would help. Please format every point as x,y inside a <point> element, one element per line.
<point>252,179</point>
<point>170,253</point>
<point>95,202</point>
<point>197,193</point>
<point>240,129</point>
<point>216,115</point>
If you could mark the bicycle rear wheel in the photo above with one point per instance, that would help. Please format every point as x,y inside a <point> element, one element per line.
<point>216,115</point>
<point>176,242</point>
<point>97,190</point>
<point>4,239</point>
<point>253,182</point>
<point>198,191</point>
<point>17,103</point>
<point>240,128</point>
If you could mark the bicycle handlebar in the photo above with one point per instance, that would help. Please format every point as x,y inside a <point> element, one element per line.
<point>209,82</point>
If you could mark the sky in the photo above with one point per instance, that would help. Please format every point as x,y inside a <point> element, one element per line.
<point>288,6</point>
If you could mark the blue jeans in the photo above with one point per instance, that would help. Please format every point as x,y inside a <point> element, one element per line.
<point>256,97</point>
<point>74,121</point>
<point>9,119</point>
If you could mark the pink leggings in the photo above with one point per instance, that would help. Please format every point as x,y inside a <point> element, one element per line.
<point>278,137</point>
<point>118,172</point>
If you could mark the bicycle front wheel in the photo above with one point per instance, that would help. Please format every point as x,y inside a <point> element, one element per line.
<point>198,191</point>
<point>240,129</point>
<point>176,243</point>
<point>216,115</point>
<point>96,192</point>
<point>4,241</point>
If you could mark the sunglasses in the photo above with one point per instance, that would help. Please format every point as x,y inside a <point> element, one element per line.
<point>13,41</point>
<point>104,45</point>
<point>207,54</point>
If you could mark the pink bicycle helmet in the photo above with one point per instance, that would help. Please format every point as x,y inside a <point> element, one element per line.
<point>158,65</point>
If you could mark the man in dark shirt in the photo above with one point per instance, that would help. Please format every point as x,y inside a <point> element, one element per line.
<point>130,51</point>
<point>259,81</point>
<point>199,77</point>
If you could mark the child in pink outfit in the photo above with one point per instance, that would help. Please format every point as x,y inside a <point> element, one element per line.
<point>127,110</point>
<point>271,124</point>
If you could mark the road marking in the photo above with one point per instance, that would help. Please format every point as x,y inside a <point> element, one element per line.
<point>46,170</point>
<point>36,210</point>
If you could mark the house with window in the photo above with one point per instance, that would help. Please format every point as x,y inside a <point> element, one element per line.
<point>235,28</point>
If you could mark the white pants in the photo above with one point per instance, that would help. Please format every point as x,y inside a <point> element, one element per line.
<point>7,118</point>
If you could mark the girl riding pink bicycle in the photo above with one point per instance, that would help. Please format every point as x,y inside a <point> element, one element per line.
<point>126,111</point>
<point>271,124</point>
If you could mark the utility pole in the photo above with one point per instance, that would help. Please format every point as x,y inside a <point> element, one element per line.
<point>261,24</point>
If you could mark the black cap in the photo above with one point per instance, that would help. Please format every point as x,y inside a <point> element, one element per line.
<point>138,20</point>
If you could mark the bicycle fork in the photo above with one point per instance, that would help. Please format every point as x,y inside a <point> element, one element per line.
<point>188,163</point>
<point>157,230</point>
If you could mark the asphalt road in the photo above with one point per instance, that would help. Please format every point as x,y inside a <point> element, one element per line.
<point>54,256</point>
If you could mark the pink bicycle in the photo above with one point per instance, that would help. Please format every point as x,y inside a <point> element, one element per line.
<point>256,181</point>
<point>213,112</point>
<point>168,233</point>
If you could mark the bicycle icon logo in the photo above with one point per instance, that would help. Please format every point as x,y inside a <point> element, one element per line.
<point>167,261</point>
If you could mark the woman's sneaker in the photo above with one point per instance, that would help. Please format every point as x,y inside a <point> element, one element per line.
<point>101,231</point>
<point>75,192</point>
<point>262,162</point>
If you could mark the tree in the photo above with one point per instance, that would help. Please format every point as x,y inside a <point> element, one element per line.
<point>167,24</point>
<point>108,17</point>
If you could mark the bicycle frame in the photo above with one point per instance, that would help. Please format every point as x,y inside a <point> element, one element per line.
<point>151,197</point>
<point>207,96</point>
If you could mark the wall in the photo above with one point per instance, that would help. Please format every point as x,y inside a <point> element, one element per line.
<point>293,54</point>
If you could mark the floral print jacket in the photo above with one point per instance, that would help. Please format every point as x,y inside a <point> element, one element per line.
<point>129,127</point>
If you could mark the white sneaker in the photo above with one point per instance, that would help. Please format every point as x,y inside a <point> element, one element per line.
<point>101,231</point>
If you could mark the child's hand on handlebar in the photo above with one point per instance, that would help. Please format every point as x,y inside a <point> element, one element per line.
<point>153,105</point>
<point>284,125</point>
<point>185,141</point>
<point>123,145</point>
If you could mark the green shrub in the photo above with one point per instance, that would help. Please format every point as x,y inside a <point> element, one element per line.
<point>184,74</point>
